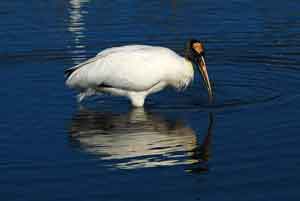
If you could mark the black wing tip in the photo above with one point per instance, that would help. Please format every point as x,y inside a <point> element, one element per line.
<point>68,72</point>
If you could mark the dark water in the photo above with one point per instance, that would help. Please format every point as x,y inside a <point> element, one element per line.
<point>244,147</point>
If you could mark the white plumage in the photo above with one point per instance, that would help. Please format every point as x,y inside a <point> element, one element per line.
<point>134,71</point>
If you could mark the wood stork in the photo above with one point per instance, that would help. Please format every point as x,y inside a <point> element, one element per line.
<point>135,71</point>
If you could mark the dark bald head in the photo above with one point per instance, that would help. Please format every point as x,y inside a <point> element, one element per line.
<point>194,50</point>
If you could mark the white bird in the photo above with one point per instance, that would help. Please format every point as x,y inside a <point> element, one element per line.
<point>135,71</point>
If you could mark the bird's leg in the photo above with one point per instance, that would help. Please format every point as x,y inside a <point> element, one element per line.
<point>137,98</point>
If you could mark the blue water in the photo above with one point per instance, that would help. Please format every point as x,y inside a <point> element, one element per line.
<point>243,147</point>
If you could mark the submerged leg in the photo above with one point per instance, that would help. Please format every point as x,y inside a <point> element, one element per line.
<point>137,98</point>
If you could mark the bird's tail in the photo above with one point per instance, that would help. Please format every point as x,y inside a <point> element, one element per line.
<point>69,71</point>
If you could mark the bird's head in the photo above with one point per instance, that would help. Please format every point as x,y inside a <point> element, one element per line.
<point>194,52</point>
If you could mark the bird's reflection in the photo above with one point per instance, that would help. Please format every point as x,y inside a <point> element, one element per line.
<point>139,139</point>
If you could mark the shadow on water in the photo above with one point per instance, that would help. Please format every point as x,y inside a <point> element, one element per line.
<point>140,139</point>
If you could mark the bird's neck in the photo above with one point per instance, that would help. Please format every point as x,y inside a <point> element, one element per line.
<point>187,74</point>
<point>188,65</point>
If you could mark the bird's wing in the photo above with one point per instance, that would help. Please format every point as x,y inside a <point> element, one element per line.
<point>134,68</point>
<point>125,48</point>
<point>102,54</point>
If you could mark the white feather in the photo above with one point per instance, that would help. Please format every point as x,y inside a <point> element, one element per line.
<point>133,71</point>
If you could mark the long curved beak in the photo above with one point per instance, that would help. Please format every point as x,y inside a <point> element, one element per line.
<point>203,70</point>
